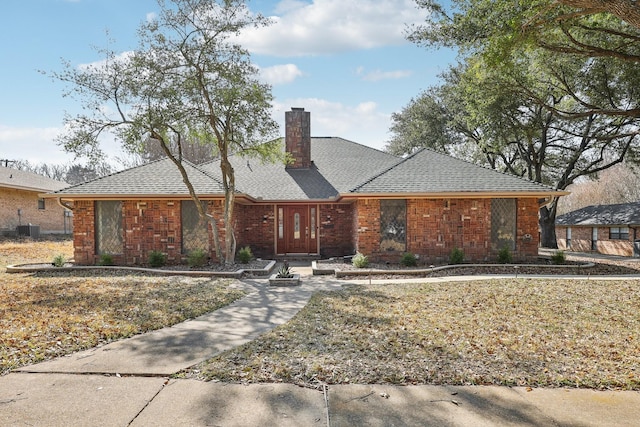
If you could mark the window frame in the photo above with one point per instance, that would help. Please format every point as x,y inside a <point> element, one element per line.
<point>100,224</point>
<point>396,218</point>
<point>618,234</point>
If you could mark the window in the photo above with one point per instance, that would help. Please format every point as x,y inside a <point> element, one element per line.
<point>41,204</point>
<point>568,237</point>
<point>619,233</point>
<point>393,225</point>
<point>313,223</point>
<point>195,231</point>
<point>503,224</point>
<point>109,236</point>
<point>280,223</point>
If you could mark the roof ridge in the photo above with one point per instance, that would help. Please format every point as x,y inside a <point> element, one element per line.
<point>379,174</point>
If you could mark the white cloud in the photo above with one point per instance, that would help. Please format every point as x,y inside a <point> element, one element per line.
<point>151,16</point>
<point>36,145</point>
<point>362,123</point>
<point>330,26</point>
<point>377,75</point>
<point>280,74</point>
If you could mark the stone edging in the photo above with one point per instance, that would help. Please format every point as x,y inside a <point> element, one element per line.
<point>24,268</point>
<point>366,272</point>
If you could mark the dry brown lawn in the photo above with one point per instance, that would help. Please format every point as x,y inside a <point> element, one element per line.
<point>48,315</point>
<point>577,333</point>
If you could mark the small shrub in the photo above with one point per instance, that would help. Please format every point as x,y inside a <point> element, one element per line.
<point>106,259</point>
<point>409,260</point>
<point>456,257</point>
<point>558,257</point>
<point>157,259</point>
<point>504,256</point>
<point>58,261</point>
<point>197,258</point>
<point>245,255</point>
<point>284,272</point>
<point>360,261</point>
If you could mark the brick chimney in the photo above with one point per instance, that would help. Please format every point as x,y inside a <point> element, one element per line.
<point>298,137</point>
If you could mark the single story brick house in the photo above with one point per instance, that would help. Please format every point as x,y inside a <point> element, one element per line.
<point>336,198</point>
<point>607,229</point>
<point>21,203</point>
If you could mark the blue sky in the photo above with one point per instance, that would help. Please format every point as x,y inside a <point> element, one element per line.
<point>345,61</point>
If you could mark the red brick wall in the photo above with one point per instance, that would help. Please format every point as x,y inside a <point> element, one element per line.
<point>367,213</point>
<point>336,230</point>
<point>84,243</point>
<point>255,228</point>
<point>151,225</point>
<point>581,240</point>
<point>435,227</point>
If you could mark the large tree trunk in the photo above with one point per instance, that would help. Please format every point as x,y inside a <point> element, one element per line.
<point>229,182</point>
<point>547,222</point>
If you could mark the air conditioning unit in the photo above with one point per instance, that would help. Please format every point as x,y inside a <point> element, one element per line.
<point>32,231</point>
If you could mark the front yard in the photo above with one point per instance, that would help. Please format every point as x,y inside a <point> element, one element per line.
<point>552,333</point>
<point>48,315</point>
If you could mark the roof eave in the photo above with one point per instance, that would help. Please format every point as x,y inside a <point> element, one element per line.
<point>458,195</point>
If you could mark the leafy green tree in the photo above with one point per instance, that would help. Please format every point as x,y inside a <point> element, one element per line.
<point>186,82</point>
<point>508,120</point>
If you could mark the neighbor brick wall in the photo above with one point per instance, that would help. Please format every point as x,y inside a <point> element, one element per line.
<point>581,240</point>
<point>436,226</point>
<point>50,219</point>
<point>336,230</point>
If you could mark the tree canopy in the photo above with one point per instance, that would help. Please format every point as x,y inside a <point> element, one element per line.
<point>542,90</point>
<point>186,83</point>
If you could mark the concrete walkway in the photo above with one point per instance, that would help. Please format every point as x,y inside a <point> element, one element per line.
<point>127,383</point>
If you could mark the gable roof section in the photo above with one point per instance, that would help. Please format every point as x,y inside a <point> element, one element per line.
<point>28,181</point>
<point>338,165</point>
<point>618,214</point>
<point>158,178</point>
<point>340,168</point>
<point>430,172</point>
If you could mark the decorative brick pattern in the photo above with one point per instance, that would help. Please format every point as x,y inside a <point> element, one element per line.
<point>436,227</point>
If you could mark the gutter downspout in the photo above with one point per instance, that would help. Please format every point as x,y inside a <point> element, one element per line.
<point>62,204</point>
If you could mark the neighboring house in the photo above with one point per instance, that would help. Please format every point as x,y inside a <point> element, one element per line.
<point>336,198</point>
<point>23,204</point>
<point>608,229</point>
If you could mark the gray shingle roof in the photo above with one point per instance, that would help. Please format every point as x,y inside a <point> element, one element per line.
<point>160,177</point>
<point>427,171</point>
<point>24,180</point>
<point>619,214</point>
<point>338,165</point>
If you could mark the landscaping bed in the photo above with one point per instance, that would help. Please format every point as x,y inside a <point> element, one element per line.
<point>575,265</point>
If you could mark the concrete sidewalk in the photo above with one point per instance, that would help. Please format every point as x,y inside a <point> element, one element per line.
<point>127,383</point>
